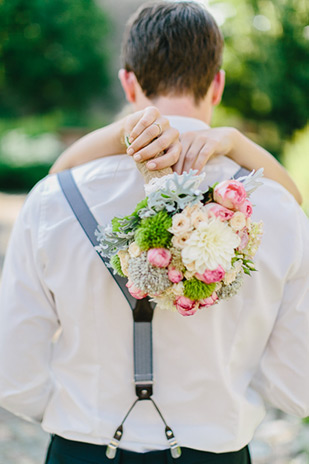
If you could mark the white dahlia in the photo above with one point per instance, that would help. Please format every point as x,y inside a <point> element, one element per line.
<point>211,245</point>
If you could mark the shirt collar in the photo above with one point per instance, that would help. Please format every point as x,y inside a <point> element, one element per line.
<point>184,124</point>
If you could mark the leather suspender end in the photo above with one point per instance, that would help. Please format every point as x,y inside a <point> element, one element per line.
<point>143,391</point>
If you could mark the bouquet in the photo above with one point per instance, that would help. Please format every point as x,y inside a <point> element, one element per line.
<point>185,248</point>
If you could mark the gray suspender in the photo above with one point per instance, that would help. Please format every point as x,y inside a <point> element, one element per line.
<point>142,312</point>
<point>242,172</point>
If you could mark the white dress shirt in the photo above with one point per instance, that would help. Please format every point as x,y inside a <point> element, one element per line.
<point>213,371</point>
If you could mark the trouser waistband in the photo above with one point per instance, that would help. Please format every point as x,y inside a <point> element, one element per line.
<point>63,451</point>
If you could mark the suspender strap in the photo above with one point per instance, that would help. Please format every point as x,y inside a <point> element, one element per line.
<point>142,309</point>
<point>241,173</point>
<point>89,224</point>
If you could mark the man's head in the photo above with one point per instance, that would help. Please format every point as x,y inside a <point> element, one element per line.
<point>173,50</point>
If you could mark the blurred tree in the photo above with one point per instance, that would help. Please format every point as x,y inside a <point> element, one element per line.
<point>267,64</point>
<point>52,54</point>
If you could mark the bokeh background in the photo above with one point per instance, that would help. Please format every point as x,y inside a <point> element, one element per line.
<point>58,80</point>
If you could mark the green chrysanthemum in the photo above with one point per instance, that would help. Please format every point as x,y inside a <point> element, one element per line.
<point>153,232</point>
<point>198,290</point>
<point>116,265</point>
<point>123,224</point>
<point>116,224</point>
<point>142,204</point>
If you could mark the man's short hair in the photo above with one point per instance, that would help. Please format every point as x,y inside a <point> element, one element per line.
<point>173,49</point>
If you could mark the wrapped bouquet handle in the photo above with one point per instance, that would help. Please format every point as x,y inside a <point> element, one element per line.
<point>148,175</point>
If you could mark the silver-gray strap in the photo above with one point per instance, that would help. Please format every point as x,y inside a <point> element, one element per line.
<point>142,311</point>
<point>241,173</point>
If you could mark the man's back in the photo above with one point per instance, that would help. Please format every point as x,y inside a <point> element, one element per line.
<point>203,365</point>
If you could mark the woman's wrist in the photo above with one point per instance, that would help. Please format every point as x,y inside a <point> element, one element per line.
<point>235,140</point>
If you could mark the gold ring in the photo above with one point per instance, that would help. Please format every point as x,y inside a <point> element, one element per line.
<point>160,128</point>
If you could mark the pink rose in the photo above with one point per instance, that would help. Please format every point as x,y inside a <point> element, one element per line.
<point>135,292</point>
<point>159,257</point>
<point>246,208</point>
<point>206,302</point>
<point>230,193</point>
<point>185,306</point>
<point>244,239</point>
<point>209,277</point>
<point>219,211</point>
<point>174,275</point>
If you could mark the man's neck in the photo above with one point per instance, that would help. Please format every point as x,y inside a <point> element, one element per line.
<point>183,106</point>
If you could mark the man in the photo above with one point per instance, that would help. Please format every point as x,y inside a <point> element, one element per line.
<point>213,372</point>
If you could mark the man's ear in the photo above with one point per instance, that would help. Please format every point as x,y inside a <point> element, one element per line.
<point>128,82</point>
<point>218,87</point>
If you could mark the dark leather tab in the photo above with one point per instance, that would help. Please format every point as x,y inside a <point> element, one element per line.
<point>143,311</point>
<point>143,392</point>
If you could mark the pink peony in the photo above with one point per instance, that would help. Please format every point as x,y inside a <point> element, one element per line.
<point>244,239</point>
<point>185,306</point>
<point>209,277</point>
<point>135,292</point>
<point>219,211</point>
<point>206,302</point>
<point>159,257</point>
<point>230,193</point>
<point>246,208</point>
<point>174,275</point>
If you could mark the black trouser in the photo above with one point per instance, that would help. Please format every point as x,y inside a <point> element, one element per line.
<point>62,451</point>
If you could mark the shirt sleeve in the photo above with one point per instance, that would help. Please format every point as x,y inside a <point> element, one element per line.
<point>283,375</point>
<point>28,320</point>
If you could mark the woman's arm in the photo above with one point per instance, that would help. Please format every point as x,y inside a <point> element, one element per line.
<point>147,127</point>
<point>97,144</point>
<point>150,133</point>
<point>251,156</point>
<point>199,147</point>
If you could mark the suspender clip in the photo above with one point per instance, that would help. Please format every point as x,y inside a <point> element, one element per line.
<point>175,449</point>
<point>111,449</point>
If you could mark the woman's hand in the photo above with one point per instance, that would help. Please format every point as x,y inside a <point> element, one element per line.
<point>199,146</point>
<point>149,134</point>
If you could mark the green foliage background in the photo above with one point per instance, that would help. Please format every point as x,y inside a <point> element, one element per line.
<point>267,65</point>
<point>52,55</point>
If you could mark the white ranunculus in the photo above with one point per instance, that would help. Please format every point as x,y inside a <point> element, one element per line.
<point>134,250</point>
<point>181,224</point>
<point>238,221</point>
<point>211,245</point>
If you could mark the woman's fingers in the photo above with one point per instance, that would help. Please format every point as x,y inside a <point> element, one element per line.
<point>158,145</point>
<point>204,156</point>
<point>186,142</point>
<point>191,155</point>
<point>168,159</point>
<point>149,134</point>
<point>138,122</point>
<point>197,149</point>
